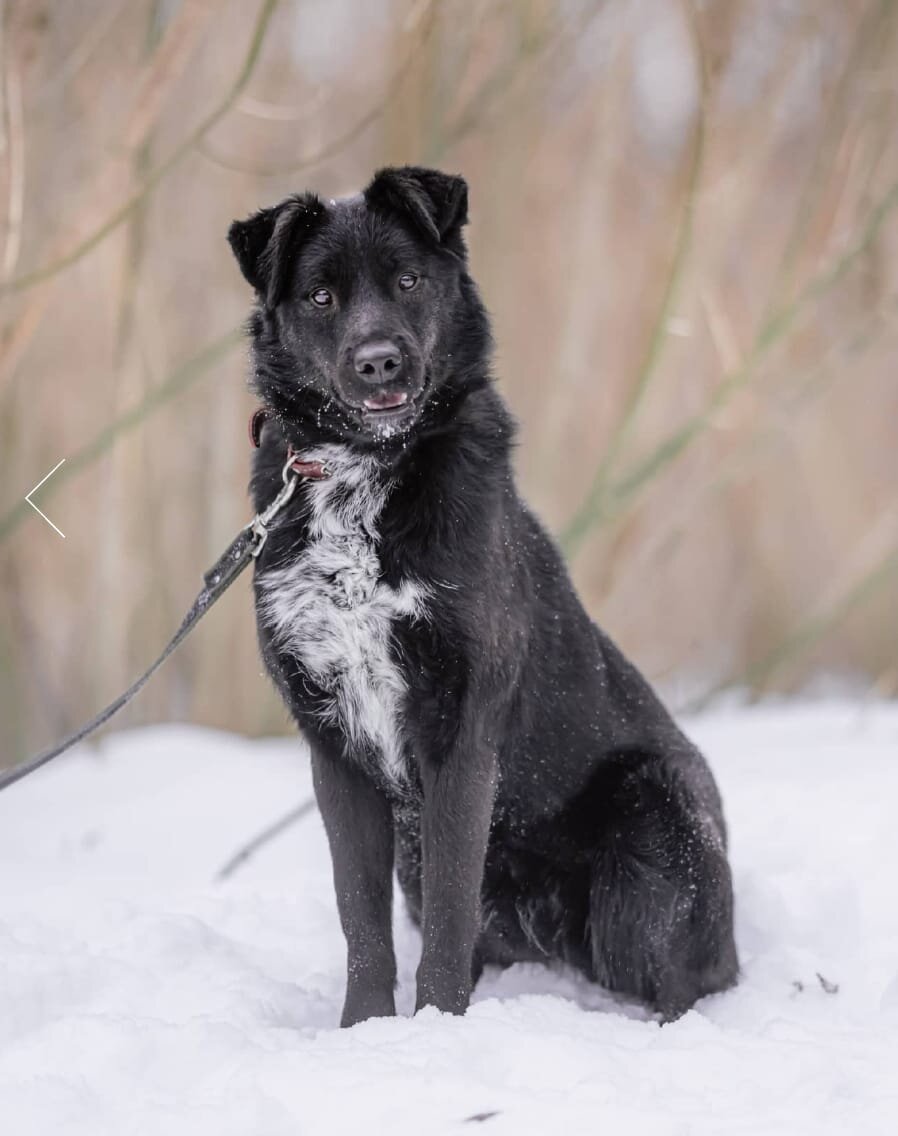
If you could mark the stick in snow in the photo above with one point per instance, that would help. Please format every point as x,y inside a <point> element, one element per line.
<point>264,837</point>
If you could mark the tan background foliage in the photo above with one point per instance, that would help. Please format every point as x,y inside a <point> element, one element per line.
<point>684,224</point>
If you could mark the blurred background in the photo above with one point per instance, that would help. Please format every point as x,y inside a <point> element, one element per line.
<point>684,219</point>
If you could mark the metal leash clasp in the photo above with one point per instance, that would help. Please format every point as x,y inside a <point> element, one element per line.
<point>258,526</point>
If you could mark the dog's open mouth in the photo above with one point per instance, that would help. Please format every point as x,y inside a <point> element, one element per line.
<point>384,414</point>
<point>389,413</point>
<point>386,400</point>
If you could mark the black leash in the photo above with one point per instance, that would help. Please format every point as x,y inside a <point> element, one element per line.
<point>237,556</point>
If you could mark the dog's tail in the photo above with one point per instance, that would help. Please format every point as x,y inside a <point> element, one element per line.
<point>661,896</point>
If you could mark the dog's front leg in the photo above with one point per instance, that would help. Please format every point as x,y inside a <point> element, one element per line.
<point>455,823</point>
<point>359,825</point>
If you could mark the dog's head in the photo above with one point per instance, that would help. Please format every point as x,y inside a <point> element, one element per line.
<point>366,319</point>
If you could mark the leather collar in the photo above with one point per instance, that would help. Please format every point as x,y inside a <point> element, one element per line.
<point>302,467</point>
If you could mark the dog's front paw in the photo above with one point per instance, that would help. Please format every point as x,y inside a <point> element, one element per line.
<point>363,1004</point>
<point>448,992</point>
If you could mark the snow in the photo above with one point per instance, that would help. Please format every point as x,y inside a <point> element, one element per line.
<point>139,995</point>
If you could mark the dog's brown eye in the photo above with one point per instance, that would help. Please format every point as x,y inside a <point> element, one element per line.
<point>407,281</point>
<point>321,297</point>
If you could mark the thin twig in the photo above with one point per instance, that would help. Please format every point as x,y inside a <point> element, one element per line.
<point>590,510</point>
<point>182,35</point>
<point>805,635</point>
<point>872,32</point>
<point>170,55</point>
<point>329,149</point>
<point>807,386</point>
<point>79,56</point>
<point>600,506</point>
<point>774,330</point>
<point>480,104</point>
<point>180,380</point>
<point>271,832</point>
<point>15,158</point>
<point>282,112</point>
<point>157,175</point>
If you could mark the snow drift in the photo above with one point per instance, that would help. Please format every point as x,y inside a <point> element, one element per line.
<point>139,995</point>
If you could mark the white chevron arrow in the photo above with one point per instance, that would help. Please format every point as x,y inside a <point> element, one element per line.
<point>35,489</point>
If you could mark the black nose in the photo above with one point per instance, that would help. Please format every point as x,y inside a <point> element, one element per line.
<point>377,361</point>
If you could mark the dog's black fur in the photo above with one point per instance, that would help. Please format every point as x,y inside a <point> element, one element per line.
<point>547,807</point>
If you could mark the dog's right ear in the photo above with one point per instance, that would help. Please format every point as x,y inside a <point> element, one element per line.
<point>266,244</point>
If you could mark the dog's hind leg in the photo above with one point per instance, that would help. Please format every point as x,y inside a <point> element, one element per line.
<point>661,904</point>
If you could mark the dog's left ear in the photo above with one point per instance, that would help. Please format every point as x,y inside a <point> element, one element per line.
<point>435,203</point>
<point>266,244</point>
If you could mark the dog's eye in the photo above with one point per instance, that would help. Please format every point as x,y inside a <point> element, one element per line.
<point>407,281</point>
<point>321,298</point>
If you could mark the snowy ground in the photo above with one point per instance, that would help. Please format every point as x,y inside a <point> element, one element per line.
<point>137,995</point>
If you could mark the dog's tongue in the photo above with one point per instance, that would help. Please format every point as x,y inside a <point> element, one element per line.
<point>386,400</point>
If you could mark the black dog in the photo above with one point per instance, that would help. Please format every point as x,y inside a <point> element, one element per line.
<point>469,725</point>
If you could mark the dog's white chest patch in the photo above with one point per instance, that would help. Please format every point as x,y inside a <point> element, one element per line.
<point>333,613</point>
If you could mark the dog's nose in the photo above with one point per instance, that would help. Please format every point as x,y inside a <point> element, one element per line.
<point>378,361</point>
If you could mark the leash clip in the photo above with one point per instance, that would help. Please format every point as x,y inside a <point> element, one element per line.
<point>258,526</point>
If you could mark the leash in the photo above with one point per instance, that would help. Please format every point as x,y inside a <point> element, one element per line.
<point>239,554</point>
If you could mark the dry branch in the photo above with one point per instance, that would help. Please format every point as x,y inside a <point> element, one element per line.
<point>591,508</point>
<point>871,35</point>
<point>81,53</point>
<point>181,379</point>
<point>147,110</point>
<point>258,842</point>
<point>779,324</point>
<point>15,157</point>
<point>159,76</point>
<point>806,634</point>
<point>358,128</point>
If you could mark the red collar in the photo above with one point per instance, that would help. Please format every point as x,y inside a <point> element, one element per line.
<point>311,470</point>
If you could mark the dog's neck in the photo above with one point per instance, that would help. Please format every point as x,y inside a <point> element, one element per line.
<point>474,422</point>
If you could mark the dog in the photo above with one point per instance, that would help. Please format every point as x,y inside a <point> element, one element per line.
<point>471,729</point>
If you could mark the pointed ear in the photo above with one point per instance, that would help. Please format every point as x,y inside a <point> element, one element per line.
<point>266,244</point>
<point>435,203</point>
